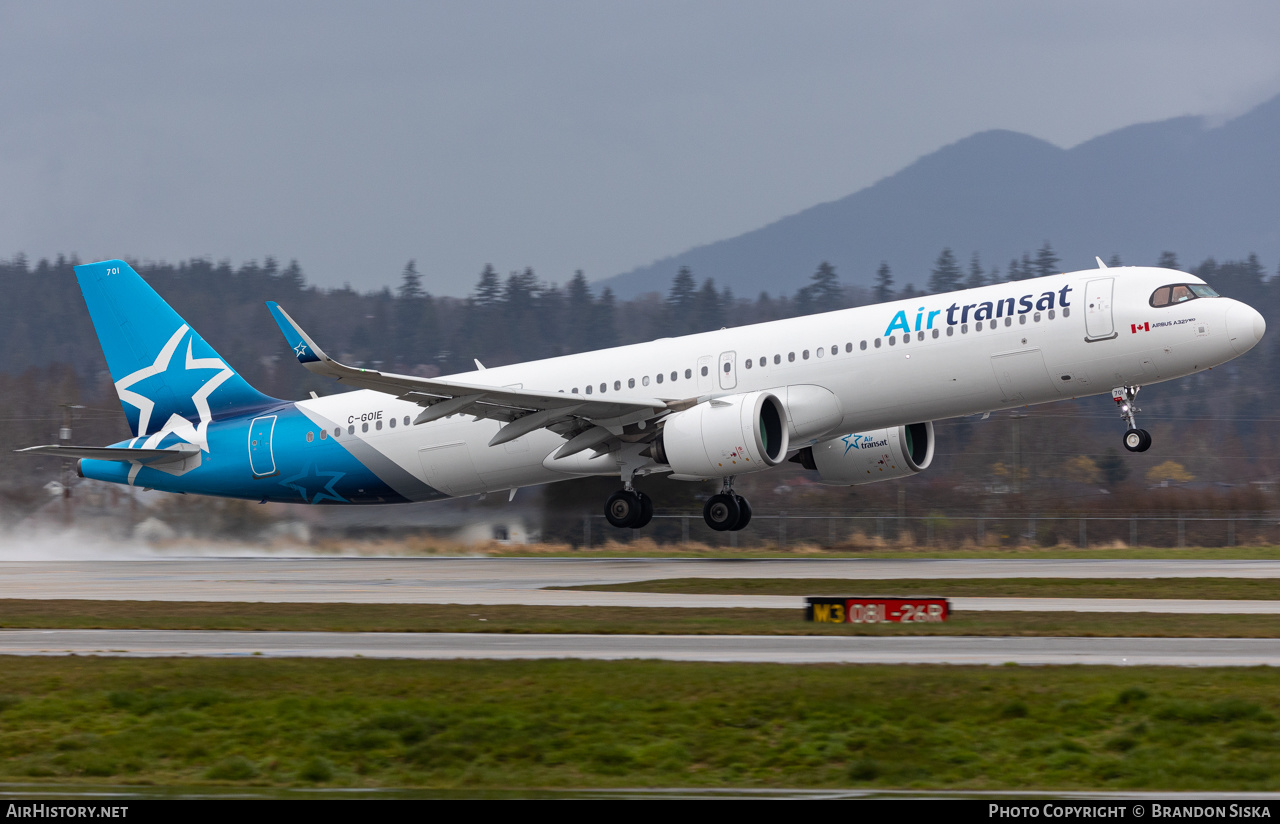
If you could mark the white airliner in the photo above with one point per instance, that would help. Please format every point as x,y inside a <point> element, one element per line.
<point>850,395</point>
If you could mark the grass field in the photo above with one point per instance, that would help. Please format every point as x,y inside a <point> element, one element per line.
<point>1263,589</point>
<point>592,724</point>
<point>71,614</point>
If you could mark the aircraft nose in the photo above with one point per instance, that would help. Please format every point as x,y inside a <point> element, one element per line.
<point>1245,327</point>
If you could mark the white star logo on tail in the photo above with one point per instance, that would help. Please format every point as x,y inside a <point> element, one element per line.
<point>176,425</point>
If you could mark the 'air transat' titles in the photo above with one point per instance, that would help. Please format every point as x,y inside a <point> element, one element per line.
<point>986,310</point>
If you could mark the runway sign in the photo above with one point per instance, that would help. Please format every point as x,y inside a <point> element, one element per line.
<point>825,609</point>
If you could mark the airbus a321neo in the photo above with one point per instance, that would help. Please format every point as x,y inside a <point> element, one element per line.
<point>849,395</point>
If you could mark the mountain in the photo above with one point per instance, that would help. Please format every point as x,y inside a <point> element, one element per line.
<point>1174,185</point>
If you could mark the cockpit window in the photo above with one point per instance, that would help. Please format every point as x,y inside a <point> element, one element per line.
<point>1181,293</point>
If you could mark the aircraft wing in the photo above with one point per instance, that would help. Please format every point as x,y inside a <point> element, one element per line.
<point>524,410</point>
<point>147,457</point>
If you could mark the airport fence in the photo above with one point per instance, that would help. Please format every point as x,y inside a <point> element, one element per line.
<point>952,531</point>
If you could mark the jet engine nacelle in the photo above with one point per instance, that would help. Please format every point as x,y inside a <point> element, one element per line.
<point>727,436</point>
<point>869,457</point>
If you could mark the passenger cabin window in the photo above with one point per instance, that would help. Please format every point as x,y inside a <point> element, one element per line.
<point>1181,293</point>
<point>659,377</point>
<point>631,383</point>
<point>644,381</point>
<point>704,371</point>
<point>688,373</point>
<point>863,346</point>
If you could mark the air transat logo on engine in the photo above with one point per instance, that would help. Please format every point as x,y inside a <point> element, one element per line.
<point>862,442</point>
<point>984,310</point>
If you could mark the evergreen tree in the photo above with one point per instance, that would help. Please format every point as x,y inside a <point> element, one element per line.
<point>580,308</point>
<point>292,279</point>
<point>882,292</point>
<point>1015,270</point>
<point>976,277</point>
<point>408,314</point>
<point>994,276</point>
<point>410,282</point>
<point>822,293</point>
<point>1114,262</point>
<point>681,303</point>
<point>946,275</point>
<point>1046,261</point>
<point>1168,260</point>
<point>710,308</point>
<point>605,332</point>
<point>488,292</point>
<point>1114,468</point>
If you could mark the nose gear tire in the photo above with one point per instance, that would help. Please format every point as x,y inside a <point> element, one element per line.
<point>1137,440</point>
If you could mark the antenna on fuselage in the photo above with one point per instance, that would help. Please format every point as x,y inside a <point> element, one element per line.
<point>1101,265</point>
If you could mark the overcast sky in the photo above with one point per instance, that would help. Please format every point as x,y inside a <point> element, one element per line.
<point>559,135</point>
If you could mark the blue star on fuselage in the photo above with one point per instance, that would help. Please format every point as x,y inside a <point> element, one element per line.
<point>310,483</point>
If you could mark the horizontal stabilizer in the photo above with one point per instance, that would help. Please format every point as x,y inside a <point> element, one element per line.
<point>148,457</point>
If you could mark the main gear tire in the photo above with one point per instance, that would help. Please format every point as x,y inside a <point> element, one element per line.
<point>623,509</point>
<point>744,513</point>
<point>721,512</point>
<point>646,511</point>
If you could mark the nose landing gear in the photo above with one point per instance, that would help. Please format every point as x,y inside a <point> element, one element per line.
<point>1135,439</point>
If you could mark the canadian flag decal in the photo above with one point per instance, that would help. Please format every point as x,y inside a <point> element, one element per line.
<point>1139,327</point>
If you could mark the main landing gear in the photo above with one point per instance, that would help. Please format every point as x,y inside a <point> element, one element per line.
<point>1135,439</point>
<point>727,511</point>
<point>628,508</point>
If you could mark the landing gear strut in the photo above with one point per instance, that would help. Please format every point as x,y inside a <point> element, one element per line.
<point>727,511</point>
<point>1135,439</point>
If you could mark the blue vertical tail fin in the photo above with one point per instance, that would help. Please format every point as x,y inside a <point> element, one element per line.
<point>170,381</point>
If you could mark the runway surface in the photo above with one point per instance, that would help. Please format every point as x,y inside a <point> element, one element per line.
<point>497,581</point>
<point>1196,652</point>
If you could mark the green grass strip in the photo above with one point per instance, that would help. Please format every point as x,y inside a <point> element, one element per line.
<point>72,614</point>
<point>548,724</point>
<point>1261,589</point>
